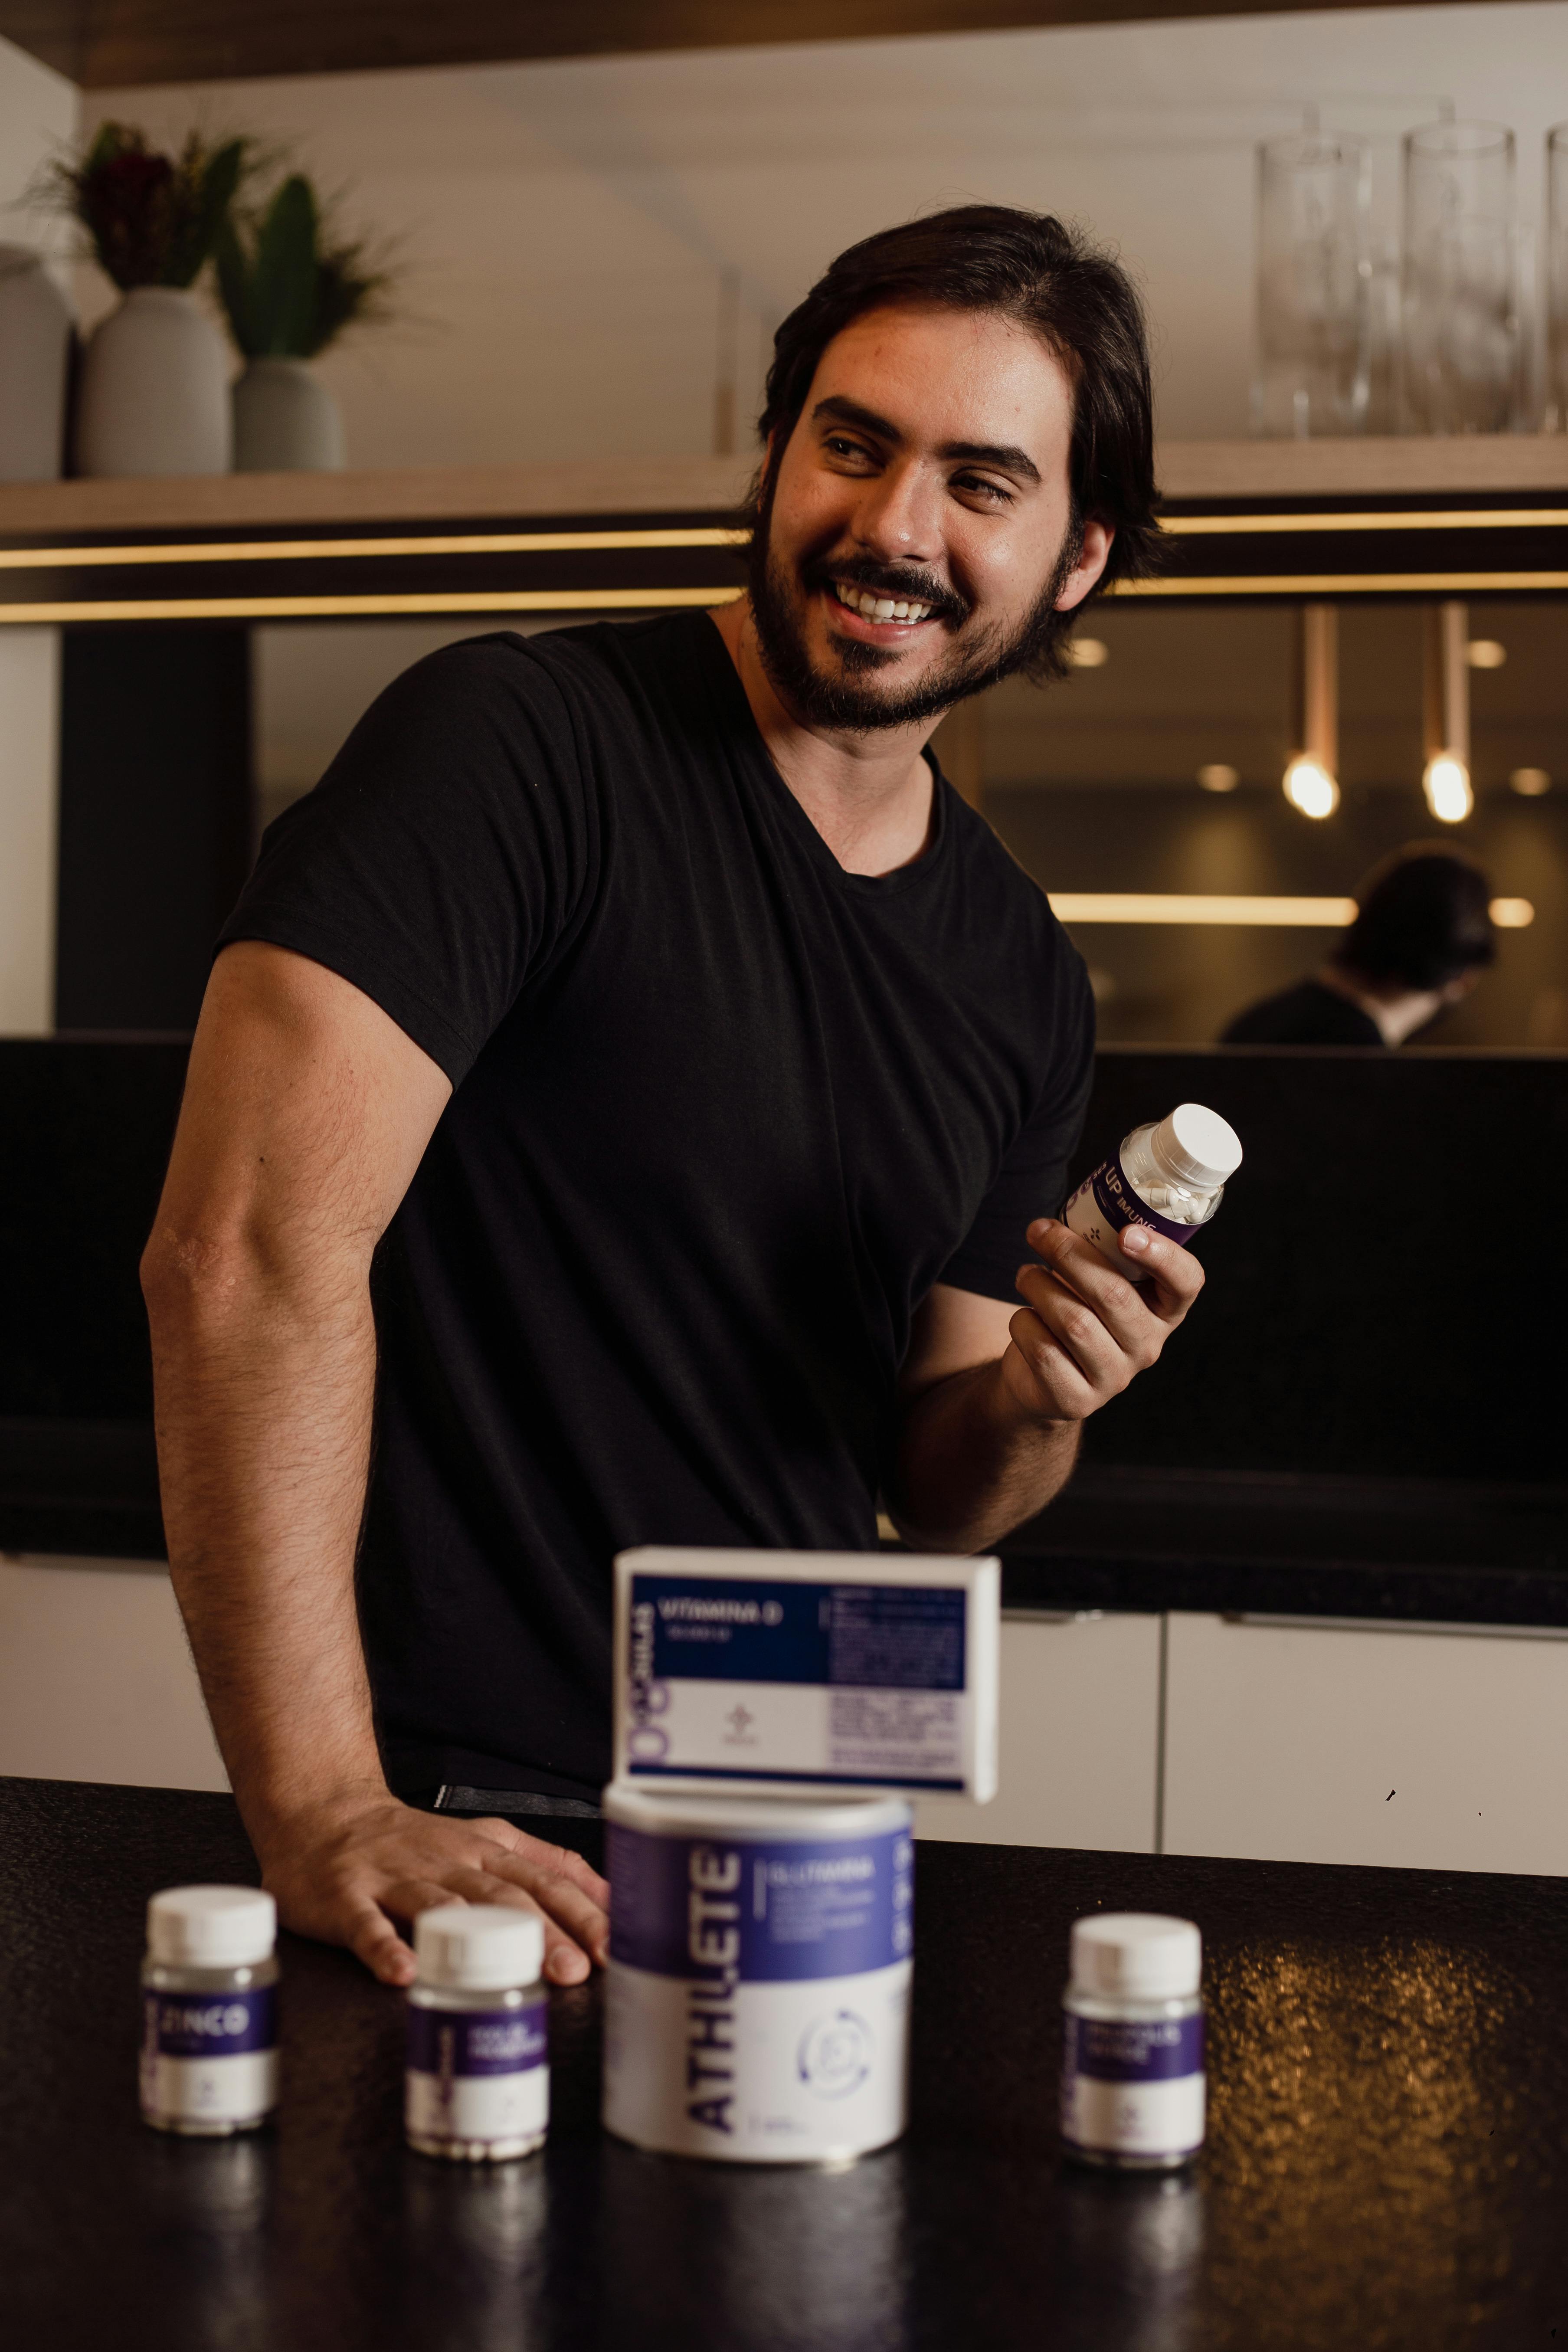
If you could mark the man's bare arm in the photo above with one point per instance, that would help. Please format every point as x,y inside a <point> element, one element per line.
<point>306,1113</point>
<point>995,1397</point>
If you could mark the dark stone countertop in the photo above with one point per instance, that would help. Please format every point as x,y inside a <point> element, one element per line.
<point>1387,2167</point>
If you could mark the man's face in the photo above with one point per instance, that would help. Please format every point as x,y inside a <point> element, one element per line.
<point>926,479</point>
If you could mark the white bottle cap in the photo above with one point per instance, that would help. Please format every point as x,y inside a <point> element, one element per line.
<point>1198,1145</point>
<point>1136,1956</point>
<point>211,1926</point>
<point>479,1946</point>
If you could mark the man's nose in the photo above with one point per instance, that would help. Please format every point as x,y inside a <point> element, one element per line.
<point>897,517</point>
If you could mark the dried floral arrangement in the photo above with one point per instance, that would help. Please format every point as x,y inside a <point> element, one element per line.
<point>152,219</point>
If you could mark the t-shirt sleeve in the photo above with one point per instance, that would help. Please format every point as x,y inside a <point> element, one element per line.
<point>444,854</point>
<point>1033,1179</point>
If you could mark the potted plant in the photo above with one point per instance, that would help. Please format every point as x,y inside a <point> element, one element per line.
<point>290,288</point>
<point>155,385</point>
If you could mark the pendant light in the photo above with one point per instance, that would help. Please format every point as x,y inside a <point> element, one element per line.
<point>1446,779</point>
<point>1312,780</point>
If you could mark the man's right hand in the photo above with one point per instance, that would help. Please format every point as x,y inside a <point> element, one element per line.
<point>346,1872</point>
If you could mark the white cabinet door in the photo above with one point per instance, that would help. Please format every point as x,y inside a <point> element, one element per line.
<point>1428,1749</point>
<point>97,1682</point>
<point>1080,1738</point>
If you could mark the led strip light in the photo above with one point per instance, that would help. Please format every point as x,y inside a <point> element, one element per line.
<point>309,551</point>
<point>308,608</point>
<point>1196,907</point>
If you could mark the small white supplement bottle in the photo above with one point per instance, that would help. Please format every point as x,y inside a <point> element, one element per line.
<point>478,2084</point>
<point>1132,2092</point>
<point>1169,1175</point>
<point>209,2011</point>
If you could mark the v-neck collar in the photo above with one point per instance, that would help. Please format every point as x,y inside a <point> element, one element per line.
<point>747,739</point>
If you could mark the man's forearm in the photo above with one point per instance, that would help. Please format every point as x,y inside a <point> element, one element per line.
<point>971,1466</point>
<point>264,1388</point>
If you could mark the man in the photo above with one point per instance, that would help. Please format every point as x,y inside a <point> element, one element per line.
<point>636,1038</point>
<point>1421,938</point>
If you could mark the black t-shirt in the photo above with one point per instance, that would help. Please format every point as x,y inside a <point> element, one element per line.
<point>1306,1015</point>
<point>723,1113</point>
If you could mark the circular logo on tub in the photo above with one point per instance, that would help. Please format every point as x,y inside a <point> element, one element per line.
<point>836,2054</point>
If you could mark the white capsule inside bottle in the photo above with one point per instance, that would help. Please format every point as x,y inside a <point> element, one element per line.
<point>1168,1176</point>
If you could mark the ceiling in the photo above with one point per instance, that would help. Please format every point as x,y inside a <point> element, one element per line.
<point>122,44</point>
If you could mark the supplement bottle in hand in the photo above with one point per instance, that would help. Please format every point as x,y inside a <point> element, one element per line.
<point>1169,1176</point>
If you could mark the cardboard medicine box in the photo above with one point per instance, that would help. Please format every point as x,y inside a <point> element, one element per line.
<point>795,1671</point>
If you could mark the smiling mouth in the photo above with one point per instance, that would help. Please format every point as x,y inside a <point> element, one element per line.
<point>869,606</point>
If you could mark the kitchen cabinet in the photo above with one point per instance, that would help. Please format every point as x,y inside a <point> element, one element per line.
<point>1435,1747</point>
<point>1079,1738</point>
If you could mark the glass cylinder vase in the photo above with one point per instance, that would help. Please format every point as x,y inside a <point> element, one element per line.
<point>1460,307</point>
<point>1313,278</point>
<point>1556,407</point>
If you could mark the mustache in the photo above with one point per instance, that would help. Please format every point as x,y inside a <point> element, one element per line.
<point>906,582</point>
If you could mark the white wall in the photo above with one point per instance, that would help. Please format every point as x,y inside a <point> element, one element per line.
<point>566,223</point>
<point>38,114</point>
<point>96,1677</point>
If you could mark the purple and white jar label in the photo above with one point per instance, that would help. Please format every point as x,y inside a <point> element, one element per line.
<point>1106,1201</point>
<point>1160,2051</point>
<point>468,2043</point>
<point>771,1911</point>
<point>209,2025</point>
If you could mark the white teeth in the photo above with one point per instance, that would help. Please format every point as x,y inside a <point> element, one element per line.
<point>878,608</point>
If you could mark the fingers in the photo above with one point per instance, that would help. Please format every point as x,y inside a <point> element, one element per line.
<point>559,1859</point>
<point>371,1937</point>
<point>1056,1388</point>
<point>1176,1274</point>
<point>1169,1277</point>
<point>1087,1330</point>
<point>565,1904</point>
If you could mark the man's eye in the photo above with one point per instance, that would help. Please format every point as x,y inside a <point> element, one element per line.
<point>838,447</point>
<point>996,491</point>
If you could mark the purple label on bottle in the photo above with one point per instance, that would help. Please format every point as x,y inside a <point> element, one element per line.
<point>1160,2051</point>
<point>209,2024</point>
<point>766,1912</point>
<point>452,2041</point>
<point>1119,1204</point>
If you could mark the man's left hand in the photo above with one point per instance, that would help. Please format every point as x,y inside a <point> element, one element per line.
<point>1086,1329</point>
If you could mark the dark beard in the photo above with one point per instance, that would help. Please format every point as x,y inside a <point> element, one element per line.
<point>847,704</point>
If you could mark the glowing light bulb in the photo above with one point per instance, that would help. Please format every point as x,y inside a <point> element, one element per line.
<point>1309,787</point>
<point>1446,784</point>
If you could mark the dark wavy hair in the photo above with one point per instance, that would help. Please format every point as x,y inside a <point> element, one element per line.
<point>1028,267</point>
<point>1423,919</point>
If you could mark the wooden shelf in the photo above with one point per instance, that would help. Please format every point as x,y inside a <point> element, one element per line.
<point>1498,464</point>
<point>1492,466</point>
<point>214,502</point>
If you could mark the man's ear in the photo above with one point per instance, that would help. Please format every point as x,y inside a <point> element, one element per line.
<point>1093,555</point>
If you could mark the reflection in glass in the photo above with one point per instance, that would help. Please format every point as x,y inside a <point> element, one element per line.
<point>1312,286</point>
<point>1461,314</point>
